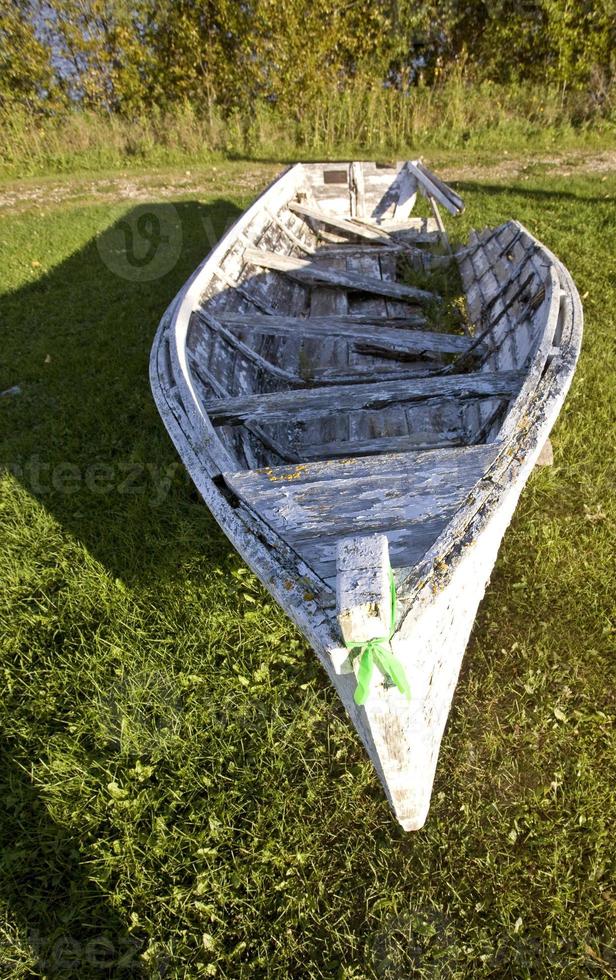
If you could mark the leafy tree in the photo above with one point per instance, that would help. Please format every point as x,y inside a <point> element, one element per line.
<point>27,79</point>
<point>127,55</point>
<point>100,49</point>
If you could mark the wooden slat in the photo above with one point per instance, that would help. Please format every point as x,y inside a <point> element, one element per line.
<point>309,272</point>
<point>440,183</point>
<point>305,404</point>
<point>339,498</point>
<point>386,444</point>
<point>440,224</point>
<point>407,195</point>
<point>358,196</point>
<point>364,369</point>
<point>290,234</point>
<point>363,591</point>
<point>377,337</point>
<point>335,221</point>
<point>350,248</point>
<point>436,188</point>
<point>399,196</point>
<point>392,421</point>
<point>331,322</point>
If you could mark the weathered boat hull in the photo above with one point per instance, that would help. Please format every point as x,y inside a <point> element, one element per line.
<point>439,591</point>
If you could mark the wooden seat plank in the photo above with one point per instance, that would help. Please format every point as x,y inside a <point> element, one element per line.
<point>313,505</point>
<point>379,337</point>
<point>385,444</point>
<point>310,403</point>
<point>337,221</point>
<point>313,274</point>
<point>331,322</point>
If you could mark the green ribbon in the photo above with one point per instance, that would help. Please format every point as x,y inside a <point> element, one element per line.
<point>377,652</point>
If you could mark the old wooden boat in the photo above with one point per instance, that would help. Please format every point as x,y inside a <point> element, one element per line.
<point>335,430</point>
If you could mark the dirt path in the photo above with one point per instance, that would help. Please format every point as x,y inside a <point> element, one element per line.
<point>49,192</point>
<point>249,178</point>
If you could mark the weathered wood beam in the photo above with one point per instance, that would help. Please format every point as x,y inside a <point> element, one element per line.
<point>363,596</point>
<point>313,403</point>
<point>332,321</point>
<point>342,498</point>
<point>385,444</point>
<point>407,195</point>
<point>377,337</point>
<point>358,188</point>
<point>440,224</point>
<point>434,187</point>
<point>311,274</point>
<point>277,220</point>
<point>335,221</point>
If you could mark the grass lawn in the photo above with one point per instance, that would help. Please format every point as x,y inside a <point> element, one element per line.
<point>182,795</point>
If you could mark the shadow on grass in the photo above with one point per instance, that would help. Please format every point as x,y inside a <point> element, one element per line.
<point>67,924</point>
<point>84,436</point>
<point>532,194</point>
<point>85,439</point>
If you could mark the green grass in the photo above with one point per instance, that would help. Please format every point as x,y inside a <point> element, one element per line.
<point>361,121</point>
<point>182,794</point>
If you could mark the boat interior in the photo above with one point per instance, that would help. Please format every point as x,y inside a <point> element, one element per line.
<point>342,403</point>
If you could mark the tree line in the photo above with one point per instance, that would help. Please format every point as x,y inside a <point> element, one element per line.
<point>129,56</point>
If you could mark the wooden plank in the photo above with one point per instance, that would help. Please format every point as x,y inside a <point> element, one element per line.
<point>407,195</point>
<point>407,545</point>
<point>415,237</point>
<point>277,220</point>
<point>443,187</point>
<point>340,498</point>
<point>335,221</point>
<point>537,358</point>
<point>435,187</point>
<point>333,322</point>
<point>363,335</point>
<point>330,299</point>
<point>389,225</point>
<point>309,272</point>
<point>359,373</point>
<point>358,195</point>
<point>306,404</point>
<point>363,593</point>
<point>386,444</point>
<point>440,224</point>
<point>399,197</point>
<point>351,249</point>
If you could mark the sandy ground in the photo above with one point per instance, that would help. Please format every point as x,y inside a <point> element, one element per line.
<point>249,178</point>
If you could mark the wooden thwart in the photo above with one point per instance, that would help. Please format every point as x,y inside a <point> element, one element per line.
<point>319,503</point>
<point>312,403</point>
<point>383,444</point>
<point>317,275</point>
<point>335,221</point>
<point>332,321</point>
<point>379,337</point>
